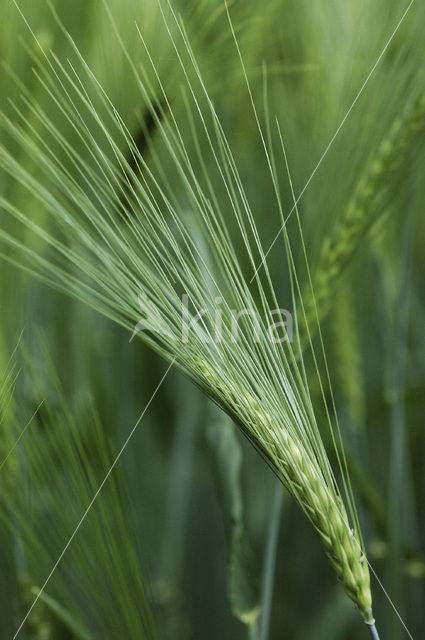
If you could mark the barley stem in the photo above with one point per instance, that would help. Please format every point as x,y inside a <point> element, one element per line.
<point>374,632</point>
<point>270,562</point>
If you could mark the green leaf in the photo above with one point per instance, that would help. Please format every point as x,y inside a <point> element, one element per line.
<point>64,616</point>
<point>242,577</point>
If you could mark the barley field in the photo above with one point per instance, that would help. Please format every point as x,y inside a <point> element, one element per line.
<point>212,356</point>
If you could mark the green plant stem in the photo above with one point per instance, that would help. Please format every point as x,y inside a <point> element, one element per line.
<point>374,632</point>
<point>270,562</point>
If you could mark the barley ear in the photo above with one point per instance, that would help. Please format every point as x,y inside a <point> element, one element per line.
<point>308,483</point>
<point>369,202</point>
<point>327,513</point>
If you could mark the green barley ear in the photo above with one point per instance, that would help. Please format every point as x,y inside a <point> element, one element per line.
<point>369,202</point>
<point>140,264</point>
<point>307,482</point>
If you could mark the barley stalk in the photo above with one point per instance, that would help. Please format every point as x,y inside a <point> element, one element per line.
<point>349,355</point>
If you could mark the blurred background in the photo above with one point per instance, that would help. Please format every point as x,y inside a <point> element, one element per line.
<point>191,536</point>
